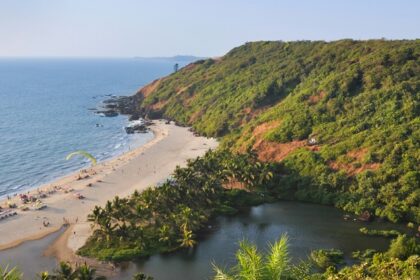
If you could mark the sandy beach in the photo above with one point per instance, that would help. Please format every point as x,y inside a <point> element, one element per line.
<point>136,170</point>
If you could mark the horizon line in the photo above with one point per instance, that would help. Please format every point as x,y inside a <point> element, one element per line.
<point>96,57</point>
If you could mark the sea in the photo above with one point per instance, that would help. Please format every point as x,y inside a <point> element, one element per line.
<point>46,113</point>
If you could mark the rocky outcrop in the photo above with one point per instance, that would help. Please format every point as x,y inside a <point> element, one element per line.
<point>107,113</point>
<point>136,129</point>
<point>125,105</point>
<point>138,126</point>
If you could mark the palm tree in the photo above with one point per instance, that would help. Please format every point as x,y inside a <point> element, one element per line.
<point>123,231</point>
<point>44,275</point>
<point>107,227</point>
<point>119,209</point>
<point>108,207</point>
<point>186,216</point>
<point>64,272</point>
<point>85,272</point>
<point>96,215</point>
<point>164,234</point>
<point>187,240</point>
<point>252,265</point>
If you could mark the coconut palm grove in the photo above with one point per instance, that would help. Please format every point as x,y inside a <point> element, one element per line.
<point>334,123</point>
<point>331,123</point>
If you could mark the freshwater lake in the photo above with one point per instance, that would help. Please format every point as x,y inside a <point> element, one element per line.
<point>308,226</point>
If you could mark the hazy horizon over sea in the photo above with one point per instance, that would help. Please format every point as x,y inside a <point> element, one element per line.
<point>44,114</point>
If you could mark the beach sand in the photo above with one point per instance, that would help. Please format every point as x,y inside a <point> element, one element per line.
<point>145,166</point>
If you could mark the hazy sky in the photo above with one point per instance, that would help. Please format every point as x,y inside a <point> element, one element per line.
<point>125,28</point>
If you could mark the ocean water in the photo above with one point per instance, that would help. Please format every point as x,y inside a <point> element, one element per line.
<point>44,114</point>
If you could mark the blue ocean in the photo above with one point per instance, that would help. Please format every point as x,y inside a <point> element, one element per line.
<point>44,114</point>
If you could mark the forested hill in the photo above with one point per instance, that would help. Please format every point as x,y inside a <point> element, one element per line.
<point>341,117</point>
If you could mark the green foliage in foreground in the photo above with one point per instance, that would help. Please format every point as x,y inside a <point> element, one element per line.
<point>402,247</point>
<point>358,99</point>
<point>171,216</point>
<point>64,272</point>
<point>401,261</point>
<point>275,265</point>
<point>7,273</point>
<point>253,265</point>
<point>378,268</point>
<point>348,95</point>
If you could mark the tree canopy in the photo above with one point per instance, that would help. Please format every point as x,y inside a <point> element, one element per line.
<point>342,117</point>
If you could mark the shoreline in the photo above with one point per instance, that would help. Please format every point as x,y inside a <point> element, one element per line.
<point>34,237</point>
<point>61,251</point>
<point>42,186</point>
<point>139,168</point>
<point>100,170</point>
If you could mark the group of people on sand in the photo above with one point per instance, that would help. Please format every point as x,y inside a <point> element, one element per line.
<point>28,197</point>
<point>84,174</point>
<point>66,222</point>
<point>21,201</point>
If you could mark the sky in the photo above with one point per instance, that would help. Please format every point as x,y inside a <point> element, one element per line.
<point>127,28</point>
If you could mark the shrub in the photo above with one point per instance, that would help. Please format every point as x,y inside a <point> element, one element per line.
<point>325,258</point>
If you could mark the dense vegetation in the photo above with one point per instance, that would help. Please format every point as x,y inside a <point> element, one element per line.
<point>401,261</point>
<point>357,100</point>
<point>251,264</point>
<point>7,273</point>
<point>327,258</point>
<point>169,216</point>
<point>172,216</point>
<point>66,272</point>
<point>333,123</point>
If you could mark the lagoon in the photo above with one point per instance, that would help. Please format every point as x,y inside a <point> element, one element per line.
<point>309,227</point>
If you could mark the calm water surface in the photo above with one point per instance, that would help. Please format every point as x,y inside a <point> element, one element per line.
<point>309,227</point>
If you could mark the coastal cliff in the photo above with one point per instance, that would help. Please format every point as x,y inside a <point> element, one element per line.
<point>341,117</point>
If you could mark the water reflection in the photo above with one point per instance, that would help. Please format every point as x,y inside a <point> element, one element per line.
<point>308,226</point>
<point>29,256</point>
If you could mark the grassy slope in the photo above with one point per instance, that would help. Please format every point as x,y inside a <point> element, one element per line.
<point>358,99</point>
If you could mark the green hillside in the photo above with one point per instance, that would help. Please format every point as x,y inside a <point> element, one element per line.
<point>358,102</point>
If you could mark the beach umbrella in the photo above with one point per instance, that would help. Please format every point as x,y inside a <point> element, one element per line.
<point>82,153</point>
